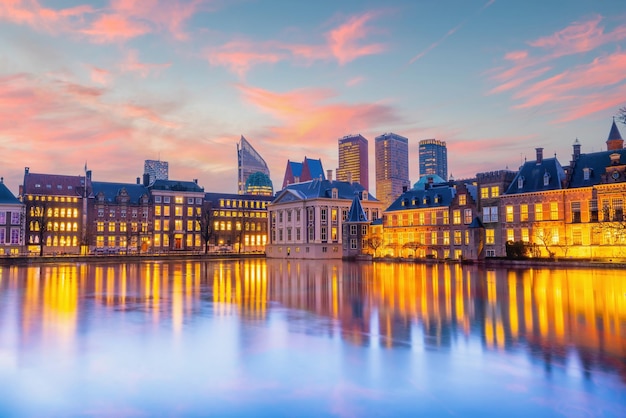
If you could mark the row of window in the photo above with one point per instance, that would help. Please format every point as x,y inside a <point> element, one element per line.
<point>55,226</point>
<point>178,211</point>
<point>430,238</point>
<point>228,226</point>
<point>53,198</point>
<point>56,241</point>
<point>14,237</point>
<point>439,217</point>
<point>238,203</point>
<point>178,200</point>
<point>13,216</point>
<point>37,211</point>
<point>239,214</point>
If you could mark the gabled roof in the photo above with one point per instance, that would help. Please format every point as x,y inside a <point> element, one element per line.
<point>595,163</point>
<point>315,169</point>
<point>428,179</point>
<point>53,184</point>
<point>112,190</point>
<point>437,196</point>
<point>6,197</point>
<point>356,213</point>
<point>536,176</point>
<point>177,186</point>
<point>316,188</point>
<point>296,168</point>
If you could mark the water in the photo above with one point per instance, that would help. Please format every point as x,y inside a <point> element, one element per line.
<point>273,338</point>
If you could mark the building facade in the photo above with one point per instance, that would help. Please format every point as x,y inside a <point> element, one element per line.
<point>121,219</point>
<point>56,212</point>
<point>392,167</point>
<point>155,170</point>
<point>306,219</point>
<point>177,211</point>
<point>237,223</point>
<point>12,219</point>
<point>354,160</point>
<point>433,158</point>
<point>309,169</point>
<point>249,161</point>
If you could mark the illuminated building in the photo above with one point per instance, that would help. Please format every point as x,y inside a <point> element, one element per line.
<point>355,230</point>
<point>177,210</point>
<point>309,169</point>
<point>431,221</point>
<point>238,223</point>
<point>155,170</point>
<point>353,160</point>
<point>491,186</point>
<point>248,162</point>
<point>306,218</point>
<point>574,212</point>
<point>433,158</point>
<point>259,184</point>
<point>121,216</point>
<point>12,218</point>
<point>392,167</point>
<point>56,212</point>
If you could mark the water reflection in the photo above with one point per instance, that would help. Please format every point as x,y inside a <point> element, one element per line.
<point>559,318</point>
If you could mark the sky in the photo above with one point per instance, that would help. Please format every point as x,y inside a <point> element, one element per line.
<point>111,83</point>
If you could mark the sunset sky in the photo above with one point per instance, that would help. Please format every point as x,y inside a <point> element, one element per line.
<point>114,82</point>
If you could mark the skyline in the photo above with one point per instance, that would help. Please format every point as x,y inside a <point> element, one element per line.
<point>115,83</point>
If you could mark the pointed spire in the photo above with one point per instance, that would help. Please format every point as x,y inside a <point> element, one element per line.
<point>614,141</point>
<point>356,213</point>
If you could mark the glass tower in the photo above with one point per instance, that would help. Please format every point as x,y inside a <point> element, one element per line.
<point>392,167</point>
<point>433,158</point>
<point>248,162</point>
<point>353,160</point>
<point>155,170</point>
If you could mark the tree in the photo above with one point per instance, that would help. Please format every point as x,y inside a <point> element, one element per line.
<point>517,249</point>
<point>205,220</point>
<point>40,223</point>
<point>621,115</point>
<point>546,239</point>
<point>413,245</point>
<point>375,242</point>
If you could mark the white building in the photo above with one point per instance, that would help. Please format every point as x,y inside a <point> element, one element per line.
<point>306,219</point>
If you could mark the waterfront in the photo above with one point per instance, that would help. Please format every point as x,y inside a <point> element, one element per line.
<point>287,338</point>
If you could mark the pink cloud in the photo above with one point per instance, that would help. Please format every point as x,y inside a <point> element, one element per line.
<point>345,40</point>
<point>114,28</point>
<point>99,75</point>
<point>355,81</point>
<point>580,37</point>
<point>132,64</point>
<point>344,43</point>
<point>31,13</point>
<point>533,82</point>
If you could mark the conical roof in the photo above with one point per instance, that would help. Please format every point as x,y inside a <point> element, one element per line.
<point>356,214</point>
<point>614,134</point>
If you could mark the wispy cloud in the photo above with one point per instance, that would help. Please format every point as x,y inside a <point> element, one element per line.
<point>533,79</point>
<point>344,43</point>
<point>132,64</point>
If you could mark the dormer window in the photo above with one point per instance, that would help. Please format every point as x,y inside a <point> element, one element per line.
<point>365,195</point>
<point>520,182</point>
<point>546,179</point>
<point>437,198</point>
<point>334,193</point>
<point>586,173</point>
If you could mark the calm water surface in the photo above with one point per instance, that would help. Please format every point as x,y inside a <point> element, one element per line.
<point>274,338</point>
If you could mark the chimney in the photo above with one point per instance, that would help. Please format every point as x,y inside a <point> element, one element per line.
<point>539,155</point>
<point>26,170</point>
<point>138,180</point>
<point>329,175</point>
<point>146,179</point>
<point>350,177</point>
<point>195,181</point>
<point>1,179</point>
<point>404,189</point>
<point>576,147</point>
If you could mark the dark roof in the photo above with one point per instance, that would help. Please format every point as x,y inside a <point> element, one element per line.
<point>315,168</point>
<point>6,197</point>
<point>532,175</point>
<point>436,196</point>
<point>614,134</point>
<point>177,186</point>
<point>296,168</point>
<point>53,184</point>
<point>112,190</point>
<point>356,213</point>
<point>596,163</point>
<point>320,189</point>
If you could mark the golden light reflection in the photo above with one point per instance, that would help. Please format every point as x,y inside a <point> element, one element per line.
<point>550,309</point>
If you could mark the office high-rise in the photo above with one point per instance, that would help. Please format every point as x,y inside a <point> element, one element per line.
<point>155,170</point>
<point>392,167</point>
<point>433,158</point>
<point>248,162</point>
<point>353,160</point>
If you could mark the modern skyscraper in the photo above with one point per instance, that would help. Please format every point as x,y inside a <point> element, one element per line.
<point>353,160</point>
<point>433,158</point>
<point>248,162</point>
<point>392,167</point>
<point>155,170</point>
